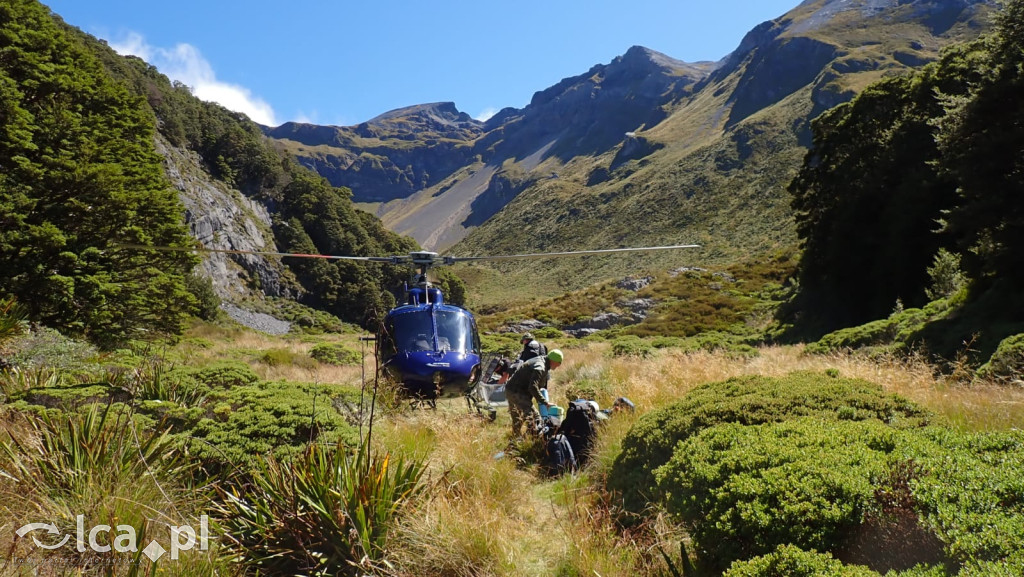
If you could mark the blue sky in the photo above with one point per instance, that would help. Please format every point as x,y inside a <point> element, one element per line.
<point>341,63</point>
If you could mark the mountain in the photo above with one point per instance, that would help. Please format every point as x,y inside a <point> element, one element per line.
<point>643,150</point>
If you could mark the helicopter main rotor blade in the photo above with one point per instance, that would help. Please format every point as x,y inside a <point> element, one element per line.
<point>388,259</point>
<point>454,259</point>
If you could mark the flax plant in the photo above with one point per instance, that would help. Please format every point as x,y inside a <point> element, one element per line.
<point>327,512</point>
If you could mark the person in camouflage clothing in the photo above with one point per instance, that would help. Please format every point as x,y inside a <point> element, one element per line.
<point>524,386</point>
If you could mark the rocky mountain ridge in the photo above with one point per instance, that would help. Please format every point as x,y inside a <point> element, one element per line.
<point>644,149</point>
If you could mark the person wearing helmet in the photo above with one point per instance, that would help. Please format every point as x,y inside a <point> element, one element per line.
<point>524,386</point>
<point>531,348</point>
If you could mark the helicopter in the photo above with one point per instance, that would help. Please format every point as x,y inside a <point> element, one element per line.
<point>431,348</point>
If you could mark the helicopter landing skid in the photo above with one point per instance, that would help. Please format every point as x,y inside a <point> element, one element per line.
<point>423,404</point>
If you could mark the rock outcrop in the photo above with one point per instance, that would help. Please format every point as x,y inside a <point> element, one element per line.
<point>224,219</point>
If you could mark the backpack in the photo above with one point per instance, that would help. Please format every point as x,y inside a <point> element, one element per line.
<point>579,426</point>
<point>559,457</point>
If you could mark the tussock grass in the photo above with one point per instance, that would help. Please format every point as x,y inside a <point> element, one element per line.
<point>96,464</point>
<point>488,516</point>
<point>486,509</point>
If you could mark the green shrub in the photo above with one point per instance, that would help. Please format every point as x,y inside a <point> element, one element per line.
<point>732,345</point>
<point>746,400</point>
<point>207,304</point>
<point>286,357</point>
<point>225,374</point>
<point>791,561</point>
<point>1013,565</point>
<point>974,496</point>
<point>631,346</point>
<point>310,320</point>
<point>68,395</point>
<point>745,490</point>
<point>502,344</point>
<point>198,342</point>
<point>336,354</point>
<point>45,347</point>
<point>667,342</point>
<point>249,422</point>
<point>899,331</point>
<point>548,333</point>
<point>878,332</point>
<point>1007,362</point>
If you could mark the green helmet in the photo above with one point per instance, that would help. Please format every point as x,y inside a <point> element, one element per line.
<point>555,356</point>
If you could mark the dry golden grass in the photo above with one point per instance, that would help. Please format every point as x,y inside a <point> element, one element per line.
<point>103,496</point>
<point>489,511</point>
<point>489,516</point>
<point>248,346</point>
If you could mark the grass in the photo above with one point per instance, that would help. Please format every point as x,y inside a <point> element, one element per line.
<point>522,524</point>
<point>98,465</point>
<point>485,509</point>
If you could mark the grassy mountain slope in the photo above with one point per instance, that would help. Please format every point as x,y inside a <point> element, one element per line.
<point>652,150</point>
<point>723,158</point>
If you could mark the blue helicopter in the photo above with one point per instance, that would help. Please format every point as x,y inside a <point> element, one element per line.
<point>431,348</point>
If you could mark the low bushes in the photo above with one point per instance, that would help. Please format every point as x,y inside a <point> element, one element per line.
<point>224,413</point>
<point>631,346</point>
<point>224,374</point>
<point>764,472</point>
<point>791,561</point>
<point>502,344</point>
<point>336,354</point>
<point>746,400</point>
<point>248,423</point>
<point>1007,362</point>
<point>745,490</point>
<point>899,331</point>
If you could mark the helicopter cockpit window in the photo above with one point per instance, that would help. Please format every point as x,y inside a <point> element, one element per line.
<point>454,332</point>
<point>412,331</point>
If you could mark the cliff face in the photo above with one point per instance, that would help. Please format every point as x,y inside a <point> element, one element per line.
<point>224,219</point>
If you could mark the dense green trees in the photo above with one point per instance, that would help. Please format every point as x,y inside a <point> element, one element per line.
<point>314,218</point>
<point>78,175</point>
<point>911,166</point>
<point>982,146</point>
<point>309,215</point>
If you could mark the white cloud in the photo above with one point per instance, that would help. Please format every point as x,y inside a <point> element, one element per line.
<point>135,45</point>
<point>303,118</point>
<point>486,114</point>
<point>186,64</point>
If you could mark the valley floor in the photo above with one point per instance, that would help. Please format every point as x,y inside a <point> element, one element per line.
<point>493,513</point>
